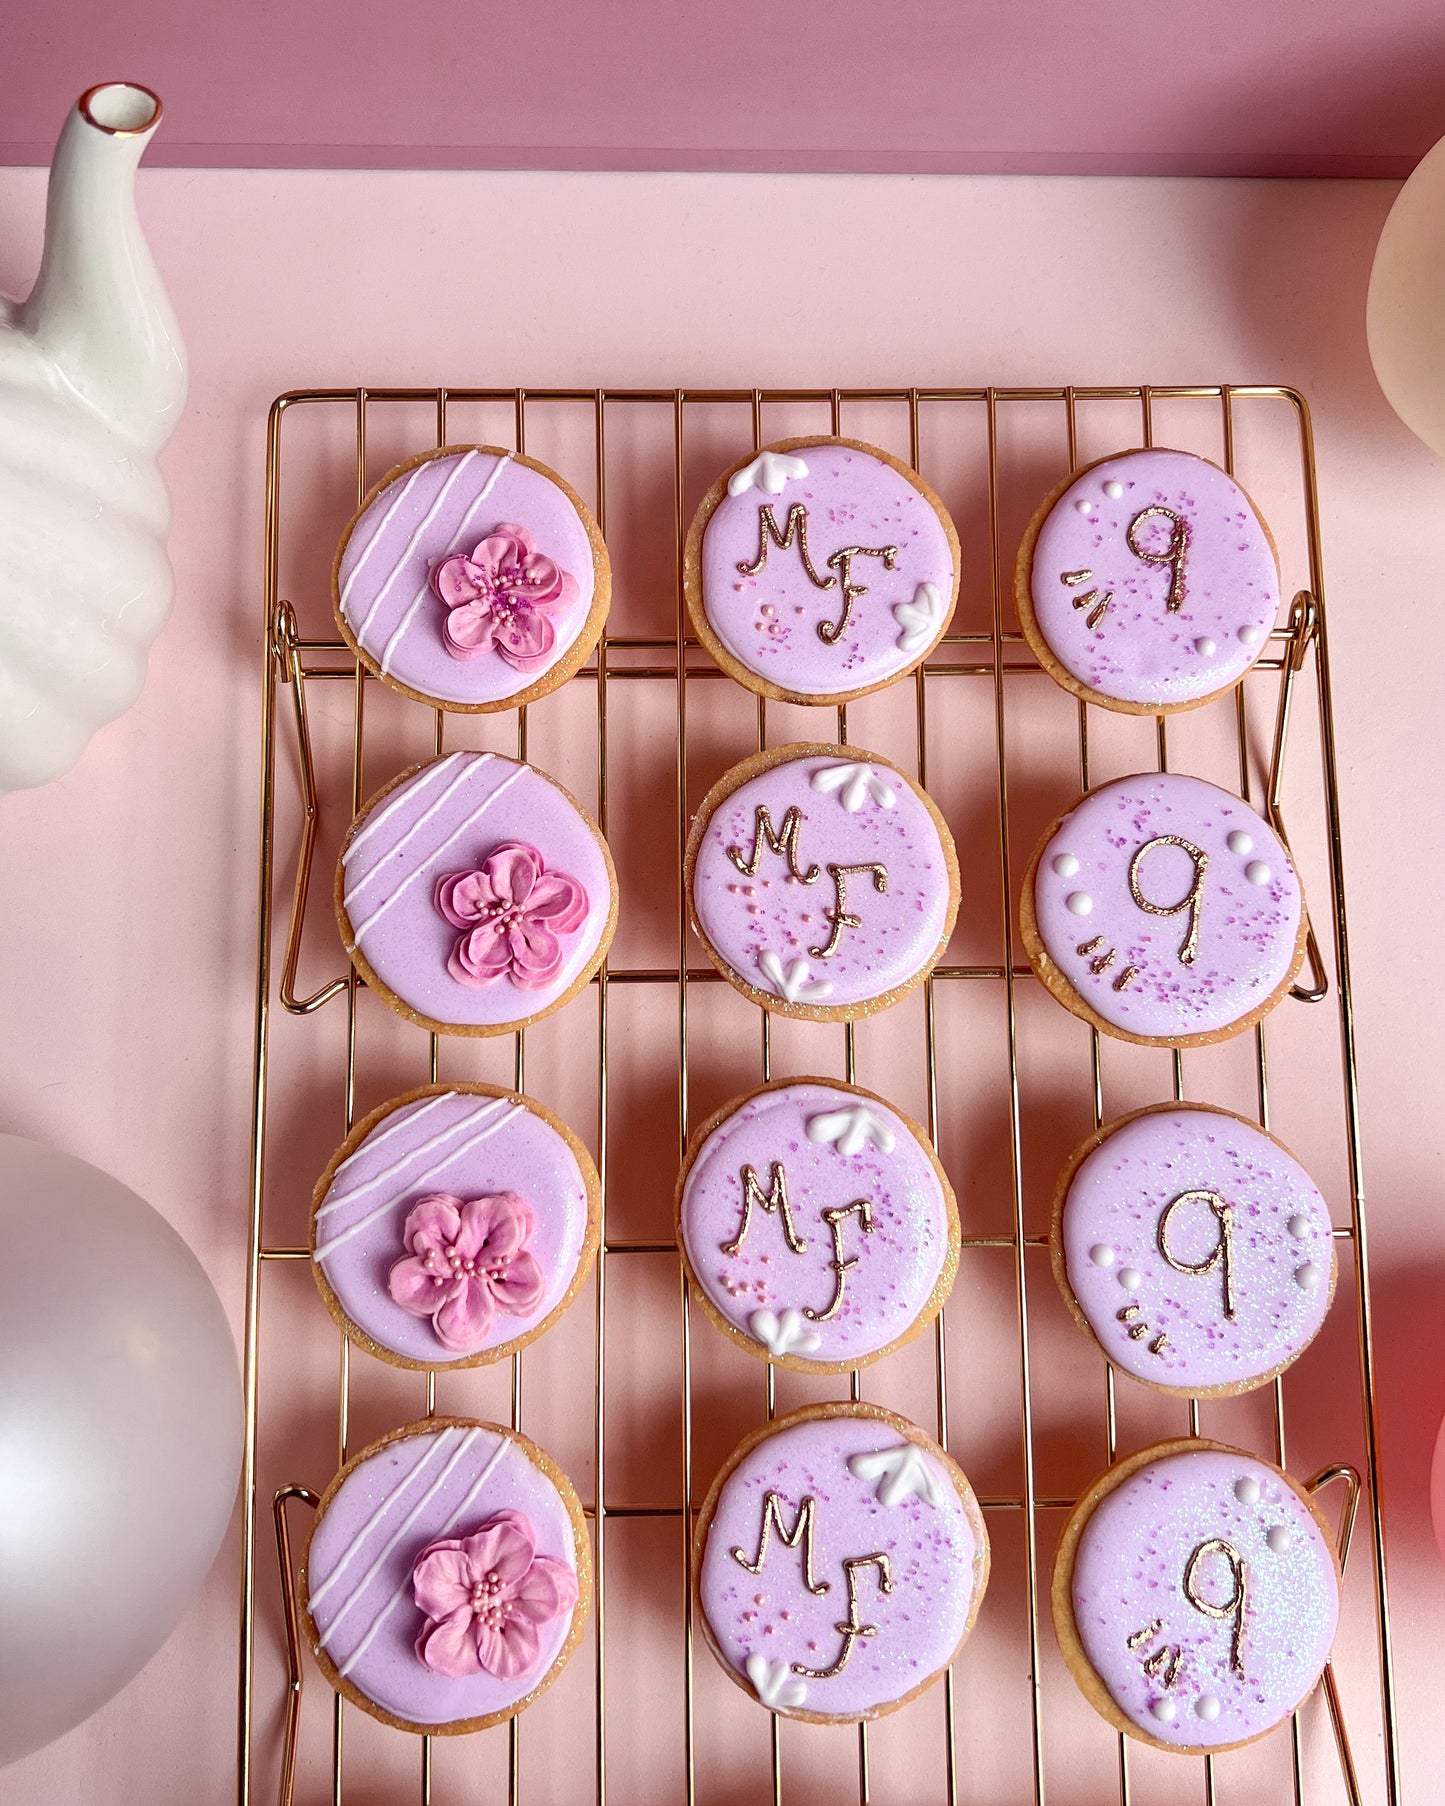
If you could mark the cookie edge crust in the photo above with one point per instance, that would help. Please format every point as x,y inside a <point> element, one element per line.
<point>942,1287</point>
<point>1034,634</point>
<point>1064,1184</point>
<point>1061,988</point>
<point>477,1030</point>
<point>910,1432</point>
<point>582,1548</point>
<point>591,1239</point>
<point>743,773</point>
<point>1061,1589</point>
<point>556,674</point>
<point>692,576</point>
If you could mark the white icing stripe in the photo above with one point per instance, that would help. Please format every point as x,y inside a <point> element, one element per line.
<point>422,593</point>
<point>488,1111</point>
<point>375,539</point>
<point>404,1119</point>
<point>391,1542</point>
<point>406,793</point>
<point>353,1548</point>
<point>452,1523</point>
<point>361,928</point>
<point>411,545</point>
<point>326,1249</point>
<point>473,761</point>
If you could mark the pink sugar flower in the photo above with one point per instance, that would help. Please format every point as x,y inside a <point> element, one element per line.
<point>466,1263</point>
<point>512,912</point>
<point>486,1598</point>
<point>499,596</point>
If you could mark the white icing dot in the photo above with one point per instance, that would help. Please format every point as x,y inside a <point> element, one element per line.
<point>1079,902</point>
<point>1278,1538</point>
<point>1298,1227</point>
<point>1163,1710</point>
<point>1130,1278</point>
<point>1207,1707</point>
<point>1257,872</point>
<point>1246,1490</point>
<point>1307,1277</point>
<point>1101,1254</point>
<point>1205,647</point>
<point>1113,489</point>
<point>1084,507</point>
<point>1240,842</point>
<point>1249,636</point>
<point>1066,865</point>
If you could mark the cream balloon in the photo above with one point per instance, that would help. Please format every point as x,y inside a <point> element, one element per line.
<point>1405,314</point>
<point>120,1438</point>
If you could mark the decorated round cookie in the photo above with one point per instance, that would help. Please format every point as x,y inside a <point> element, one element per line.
<point>1196,1594</point>
<point>475,894</point>
<point>1194,1247</point>
<point>820,569</point>
<point>838,1563</point>
<point>472,578</point>
<point>447,1576</point>
<point>818,1224</point>
<point>823,881</point>
<point>454,1225</point>
<point>1148,582</point>
<point>1163,910</point>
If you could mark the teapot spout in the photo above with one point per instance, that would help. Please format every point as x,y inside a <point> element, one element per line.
<point>98,311</point>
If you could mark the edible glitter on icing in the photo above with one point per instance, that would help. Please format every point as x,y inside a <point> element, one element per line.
<point>1242,934</point>
<point>1142,651</point>
<point>1122,1191</point>
<point>928,1547</point>
<point>784,1262</point>
<point>771,925</point>
<point>1129,1570</point>
<point>853,503</point>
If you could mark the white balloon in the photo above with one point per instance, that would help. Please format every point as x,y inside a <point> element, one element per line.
<point>120,1438</point>
<point>1405,314</point>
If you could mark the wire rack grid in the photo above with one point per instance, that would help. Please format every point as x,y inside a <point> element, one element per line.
<point>992,656</point>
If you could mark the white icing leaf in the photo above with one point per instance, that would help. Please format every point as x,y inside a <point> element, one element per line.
<point>851,1129</point>
<point>920,619</point>
<point>794,983</point>
<point>900,1472</point>
<point>775,1683</point>
<point>855,784</point>
<point>787,1334</point>
<point>769,471</point>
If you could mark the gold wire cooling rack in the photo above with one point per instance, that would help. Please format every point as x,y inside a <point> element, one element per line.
<point>973,677</point>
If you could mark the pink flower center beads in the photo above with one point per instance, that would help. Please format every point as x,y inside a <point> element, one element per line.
<point>467,1262</point>
<point>499,597</point>
<point>512,912</point>
<point>486,1597</point>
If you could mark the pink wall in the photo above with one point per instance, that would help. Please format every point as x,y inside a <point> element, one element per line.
<point>1199,87</point>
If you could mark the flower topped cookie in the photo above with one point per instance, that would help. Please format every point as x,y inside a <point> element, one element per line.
<point>472,578</point>
<point>488,1599</point>
<point>515,918</point>
<point>820,569</point>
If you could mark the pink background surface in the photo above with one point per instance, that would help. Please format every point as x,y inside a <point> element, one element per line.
<point>129,1030</point>
<point>1217,87</point>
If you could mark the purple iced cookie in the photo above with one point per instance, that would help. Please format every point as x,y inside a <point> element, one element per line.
<point>1164,910</point>
<point>823,881</point>
<point>818,1224</point>
<point>473,578</point>
<point>453,1225</point>
<point>839,1563</point>
<point>1196,1595</point>
<point>820,569</point>
<point>475,895</point>
<point>447,1577</point>
<point>1148,582</point>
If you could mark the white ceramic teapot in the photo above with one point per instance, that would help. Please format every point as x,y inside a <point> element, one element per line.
<point>92,382</point>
